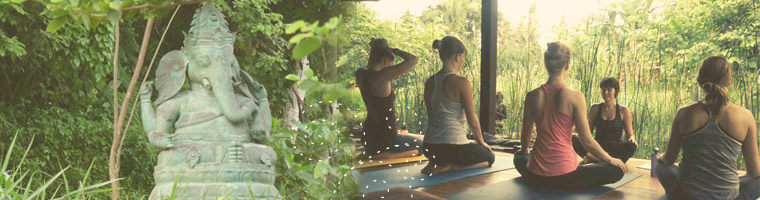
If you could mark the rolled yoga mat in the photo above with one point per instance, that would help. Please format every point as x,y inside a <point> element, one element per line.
<point>516,189</point>
<point>410,176</point>
<point>392,161</point>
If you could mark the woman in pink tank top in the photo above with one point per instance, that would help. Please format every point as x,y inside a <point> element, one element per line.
<point>555,110</point>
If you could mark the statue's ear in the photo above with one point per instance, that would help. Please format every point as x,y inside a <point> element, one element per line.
<point>170,75</point>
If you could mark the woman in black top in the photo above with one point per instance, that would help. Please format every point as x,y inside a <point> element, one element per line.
<point>380,133</point>
<point>610,119</point>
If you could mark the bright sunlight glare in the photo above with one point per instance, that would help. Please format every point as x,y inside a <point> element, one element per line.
<point>548,12</point>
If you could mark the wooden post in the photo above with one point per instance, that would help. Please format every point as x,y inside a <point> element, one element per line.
<point>488,66</point>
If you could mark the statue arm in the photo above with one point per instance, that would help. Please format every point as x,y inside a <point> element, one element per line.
<point>167,114</point>
<point>148,113</point>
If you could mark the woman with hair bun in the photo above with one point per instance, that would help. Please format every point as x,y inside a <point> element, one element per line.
<point>380,133</point>
<point>555,109</point>
<point>713,134</point>
<point>449,105</point>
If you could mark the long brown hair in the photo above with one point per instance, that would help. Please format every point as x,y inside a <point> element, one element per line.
<point>715,78</point>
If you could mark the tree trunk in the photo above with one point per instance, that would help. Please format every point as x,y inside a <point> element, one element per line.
<point>294,106</point>
<point>113,161</point>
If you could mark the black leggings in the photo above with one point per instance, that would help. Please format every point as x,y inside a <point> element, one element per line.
<point>466,154</point>
<point>586,176</point>
<point>616,149</point>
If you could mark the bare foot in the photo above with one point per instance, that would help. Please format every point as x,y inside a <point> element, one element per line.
<point>426,170</point>
<point>439,169</point>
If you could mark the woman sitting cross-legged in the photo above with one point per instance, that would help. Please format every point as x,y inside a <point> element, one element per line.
<point>713,134</point>
<point>380,133</point>
<point>448,100</point>
<point>555,109</point>
<point>610,119</point>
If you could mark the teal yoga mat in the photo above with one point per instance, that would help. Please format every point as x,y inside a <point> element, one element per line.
<point>410,176</point>
<point>516,189</point>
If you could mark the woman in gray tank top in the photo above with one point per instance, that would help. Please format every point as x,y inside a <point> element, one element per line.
<point>713,134</point>
<point>448,99</point>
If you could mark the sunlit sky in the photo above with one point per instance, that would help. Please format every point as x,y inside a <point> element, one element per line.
<point>548,12</point>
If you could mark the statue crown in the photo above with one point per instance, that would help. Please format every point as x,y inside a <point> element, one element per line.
<point>208,28</point>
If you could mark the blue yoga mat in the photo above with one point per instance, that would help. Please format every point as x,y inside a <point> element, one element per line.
<point>410,176</point>
<point>516,189</point>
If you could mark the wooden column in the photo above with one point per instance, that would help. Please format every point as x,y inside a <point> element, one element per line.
<point>488,66</point>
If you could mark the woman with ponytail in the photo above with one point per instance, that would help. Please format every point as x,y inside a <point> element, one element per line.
<point>380,133</point>
<point>713,133</point>
<point>449,105</point>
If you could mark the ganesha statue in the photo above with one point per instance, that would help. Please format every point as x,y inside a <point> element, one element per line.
<point>211,130</point>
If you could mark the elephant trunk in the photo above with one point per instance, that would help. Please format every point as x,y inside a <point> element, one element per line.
<point>223,88</point>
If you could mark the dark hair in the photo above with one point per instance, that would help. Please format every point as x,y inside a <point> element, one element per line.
<point>556,56</point>
<point>714,78</point>
<point>379,50</point>
<point>610,82</point>
<point>448,47</point>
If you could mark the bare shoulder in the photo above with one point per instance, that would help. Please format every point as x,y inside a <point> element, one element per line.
<point>624,109</point>
<point>740,112</point>
<point>460,79</point>
<point>571,94</point>
<point>533,95</point>
<point>688,111</point>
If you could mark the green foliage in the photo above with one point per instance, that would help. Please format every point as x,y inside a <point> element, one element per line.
<point>311,36</point>
<point>73,61</point>
<point>314,161</point>
<point>13,184</point>
<point>59,137</point>
<point>92,13</point>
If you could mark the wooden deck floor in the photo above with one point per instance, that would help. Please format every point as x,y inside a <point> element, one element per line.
<point>644,187</point>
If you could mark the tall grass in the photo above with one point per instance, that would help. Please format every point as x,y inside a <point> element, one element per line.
<point>18,183</point>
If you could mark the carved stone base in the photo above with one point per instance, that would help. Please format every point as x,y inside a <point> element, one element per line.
<point>193,191</point>
<point>209,170</point>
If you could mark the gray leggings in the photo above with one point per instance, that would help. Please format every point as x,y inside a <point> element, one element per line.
<point>749,188</point>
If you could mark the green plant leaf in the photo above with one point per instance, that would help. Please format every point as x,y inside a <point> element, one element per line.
<point>114,15</point>
<point>293,27</point>
<point>292,77</point>
<point>310,27</point>
<point>305,48</point>
<point>308,73</point>
<point>308,84</point>
<point>298,37</point>
<point>320,171</point>
<point>115,5</point>
<point>56,24</point>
